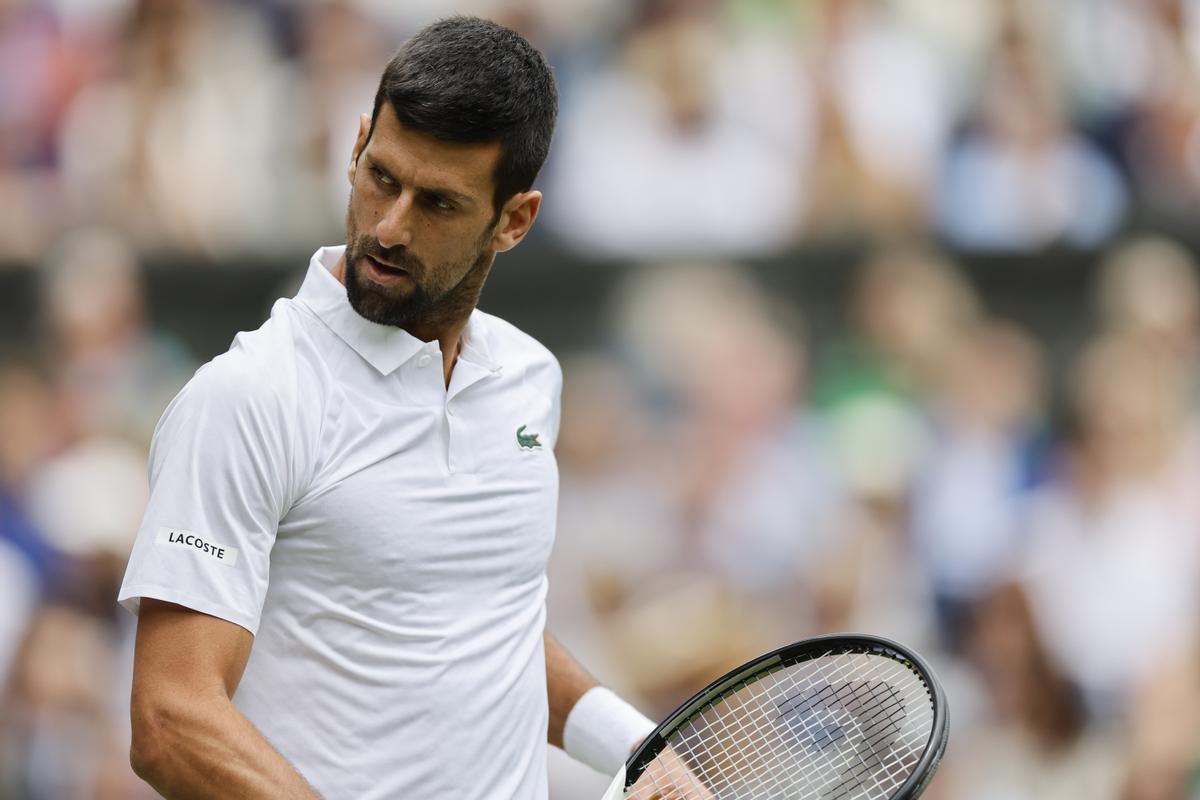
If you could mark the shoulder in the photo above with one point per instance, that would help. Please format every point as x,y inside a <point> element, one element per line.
<point>255,407</point>
<point>259,367</point>
<point>261,378</point>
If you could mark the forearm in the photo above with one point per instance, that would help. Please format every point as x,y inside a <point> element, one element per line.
<point>588,721</point>
<point>566,682</point>
<point>199,748</point>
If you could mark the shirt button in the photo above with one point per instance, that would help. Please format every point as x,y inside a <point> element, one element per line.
<point>424,360</point>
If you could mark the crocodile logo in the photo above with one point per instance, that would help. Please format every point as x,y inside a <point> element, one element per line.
<point>527,441</point>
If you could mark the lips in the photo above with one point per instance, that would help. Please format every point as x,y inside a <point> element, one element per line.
<point>385,272</point>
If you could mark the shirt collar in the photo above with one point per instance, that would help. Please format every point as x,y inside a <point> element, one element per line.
<point>475,342</point>
<point>384,347</point>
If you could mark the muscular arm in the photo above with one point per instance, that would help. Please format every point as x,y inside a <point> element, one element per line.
<point>189,741</point>
<point>566,682</point>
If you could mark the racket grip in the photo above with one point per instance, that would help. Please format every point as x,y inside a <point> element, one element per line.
<point>616,791</point>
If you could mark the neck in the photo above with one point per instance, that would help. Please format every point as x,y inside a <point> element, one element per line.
<point>448,319</point>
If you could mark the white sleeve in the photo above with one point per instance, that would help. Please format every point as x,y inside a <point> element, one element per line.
<point>221,478</point>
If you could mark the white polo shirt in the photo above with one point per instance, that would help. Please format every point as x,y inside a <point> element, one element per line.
<point>383,536</point>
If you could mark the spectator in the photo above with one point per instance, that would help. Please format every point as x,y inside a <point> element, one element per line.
<point>1022,178</point>
<point>908,309</point>
<point>1034,743</point>
<point>176,146</point>
<point>689,143</point>
<point>883,109</point>
<point>986,452</point>
<point>734,368</point>
<point>1115,542</point>
<point>114,374</point>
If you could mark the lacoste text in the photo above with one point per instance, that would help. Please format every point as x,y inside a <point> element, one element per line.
<point>194,541</point>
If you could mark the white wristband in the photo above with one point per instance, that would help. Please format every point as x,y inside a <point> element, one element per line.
<point>602,730</point>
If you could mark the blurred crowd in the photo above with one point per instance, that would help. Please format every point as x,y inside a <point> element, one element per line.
<point>729,485</point>
<point>728,127</point>
<point>928,473</point>
<point>78,407</point>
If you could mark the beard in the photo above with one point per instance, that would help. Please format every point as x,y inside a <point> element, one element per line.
<point>423,299</point>
<point>378,303</point>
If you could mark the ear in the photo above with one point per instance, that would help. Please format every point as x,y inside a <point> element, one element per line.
<point>516,218</point>
<point>360,143</point>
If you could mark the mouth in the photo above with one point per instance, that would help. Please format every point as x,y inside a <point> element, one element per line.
<point>385,273</point>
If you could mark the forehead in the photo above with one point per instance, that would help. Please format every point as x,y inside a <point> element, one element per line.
<point>425,162</point>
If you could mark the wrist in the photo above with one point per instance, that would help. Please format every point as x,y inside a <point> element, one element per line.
<point>602,730</point>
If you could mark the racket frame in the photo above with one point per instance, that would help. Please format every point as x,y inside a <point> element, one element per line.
<point>831,644</point>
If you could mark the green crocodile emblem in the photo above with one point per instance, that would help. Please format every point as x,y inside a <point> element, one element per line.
<point>527,441</point>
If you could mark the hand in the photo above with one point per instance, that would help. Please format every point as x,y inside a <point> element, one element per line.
<point>669,778</point>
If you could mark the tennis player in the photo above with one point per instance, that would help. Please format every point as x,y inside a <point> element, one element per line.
<point>340,577</point>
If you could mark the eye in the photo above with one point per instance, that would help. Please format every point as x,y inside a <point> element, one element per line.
<point>382,177</point>
<point>440,203</point>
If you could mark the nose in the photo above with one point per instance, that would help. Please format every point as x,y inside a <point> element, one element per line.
<point>394,228</point>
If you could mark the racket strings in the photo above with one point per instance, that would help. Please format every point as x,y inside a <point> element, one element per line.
<point>848,726</point>
<point>819,735</point>
<point>774,766</point>
<point>766,763</point>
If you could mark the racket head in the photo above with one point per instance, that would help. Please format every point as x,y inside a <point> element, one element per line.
<point>828,691</point>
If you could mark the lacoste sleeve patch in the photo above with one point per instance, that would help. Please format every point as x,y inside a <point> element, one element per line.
<point>200,544</point>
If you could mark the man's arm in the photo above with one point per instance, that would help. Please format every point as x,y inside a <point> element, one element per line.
<point>189,741</point>
<point>587,720</point>
<point>566,682</point>
<point>610,732</point>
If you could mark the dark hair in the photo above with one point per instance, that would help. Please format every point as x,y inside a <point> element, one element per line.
<point>466,79</point>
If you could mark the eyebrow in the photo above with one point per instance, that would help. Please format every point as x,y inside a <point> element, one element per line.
<point>449,194</point>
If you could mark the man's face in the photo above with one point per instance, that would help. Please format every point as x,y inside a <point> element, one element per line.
<point>420,225</point>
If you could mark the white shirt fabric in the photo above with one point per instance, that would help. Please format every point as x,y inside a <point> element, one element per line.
<point>383,536</point>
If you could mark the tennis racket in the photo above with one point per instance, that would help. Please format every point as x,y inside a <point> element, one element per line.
<point>844,717</point>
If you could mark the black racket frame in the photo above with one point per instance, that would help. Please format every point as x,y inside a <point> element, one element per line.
<point>806,650</point>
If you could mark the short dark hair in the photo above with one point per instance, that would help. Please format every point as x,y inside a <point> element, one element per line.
<point>466,79</point>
